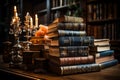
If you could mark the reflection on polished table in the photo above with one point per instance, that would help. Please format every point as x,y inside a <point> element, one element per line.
<point>112,73</point>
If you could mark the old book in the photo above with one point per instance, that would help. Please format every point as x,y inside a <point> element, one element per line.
<point>104,53</point>
<point>40,40</point>
<point>73,41</point>
<point>94,11</point>
<point>69,51</point>
<point>66,26</point>
<point>62,61</point>
<point>101,42</point>
<point>68,19</point>
<point>100,48</point>
<point>53,3</point>
<point>59,33</point>
<point>89,17</point>
<point>74,69</point>
<point>108,64</point>
<point>99,60</point>
<point>76,41</point>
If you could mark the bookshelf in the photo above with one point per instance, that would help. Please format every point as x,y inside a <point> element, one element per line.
<point>103,19</point>
<point>57,8</point>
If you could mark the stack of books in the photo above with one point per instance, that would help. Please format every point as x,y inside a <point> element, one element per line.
<point>104,55</point>
<point>69,48</point>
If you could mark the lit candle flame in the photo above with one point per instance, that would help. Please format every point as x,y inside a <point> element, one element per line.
<point>36,20</point>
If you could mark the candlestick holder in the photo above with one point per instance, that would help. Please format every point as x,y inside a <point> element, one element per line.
<point>29,30</point>
<point>28,36</point>
<point>15,29</point>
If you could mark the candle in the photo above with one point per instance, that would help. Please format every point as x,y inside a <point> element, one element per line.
<point>31,22</point>
<point>15,11</point>
<point>16,14</point>
<point>15,8</point>
<point>36,20</point>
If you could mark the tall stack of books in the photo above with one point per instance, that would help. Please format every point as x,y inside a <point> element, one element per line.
<point>104,55</point>
<point>69,48</point>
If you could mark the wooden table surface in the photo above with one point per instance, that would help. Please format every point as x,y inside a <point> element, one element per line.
<point>112,73</point>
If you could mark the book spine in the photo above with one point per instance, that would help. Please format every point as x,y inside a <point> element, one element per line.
<point>80,69</point>
<point>71,33</point>
<point>105,53</point>
<point>108,63</point>
<point>72,26</point>
<point>76,60</point>
<point>74,51</point>
<point>73,19</point>
<point>76,41</point>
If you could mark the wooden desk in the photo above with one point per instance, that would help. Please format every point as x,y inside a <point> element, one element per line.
<point>112,73</point>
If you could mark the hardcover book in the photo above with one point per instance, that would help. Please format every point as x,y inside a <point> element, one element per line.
<point>100,42</point>
<point>100,48</point>
<point>104,59</point>
<point>76,41</point>
<point>108,64</point>
<point>104,53</point>
<point>68,33</point>
<point>69,51</point>
<point>68,19</point>
<point>74,69</point>
<point>62,61</point>
<point>73,41</point>
<point>66,26</point>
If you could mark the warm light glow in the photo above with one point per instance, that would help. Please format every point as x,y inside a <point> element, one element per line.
<point>16,14</point>
<point>46,37</point>
<point>31,22</point>
<point>43,28</point>
<point>15,8</point>
<point>36,20</point>
<point>42,31</point>
<point>13,20</point>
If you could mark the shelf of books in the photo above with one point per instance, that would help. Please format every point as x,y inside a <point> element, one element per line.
<point>57,8</point>
<point>103,18</point>
<point>71,51</point>
<point>103,21</point>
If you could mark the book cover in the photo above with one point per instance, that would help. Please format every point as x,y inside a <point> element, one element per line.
<point>74,69</point>
<point>62,61</point>
<point>100,42</point>
<point>59,33</point>
<point>71,33</point>
<point>104,53</point>
<point>68,19</point>
<point>69,51</point>
<point>104,59</point>
<point>76,41</point>
<point>66,26</point>
<point>108,64</point>
<point>100,48</point>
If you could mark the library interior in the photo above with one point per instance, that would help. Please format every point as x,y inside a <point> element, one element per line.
<point>59,40</point>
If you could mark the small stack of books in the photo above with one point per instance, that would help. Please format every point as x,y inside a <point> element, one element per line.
<point>69,48</point>
<point>104,54</point>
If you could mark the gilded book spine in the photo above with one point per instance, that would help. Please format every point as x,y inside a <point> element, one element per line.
<point>74,51</point>
<point>105,53</point>
<point>109,63</point>
<point>76,41</point>
<point>72,26</point>
<point>80,69</point>
<point>73,19</point>
<point>74,69</point>
<point>74,60</point>
<point>71,33</point>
